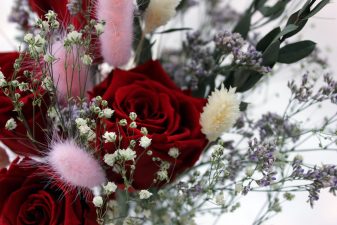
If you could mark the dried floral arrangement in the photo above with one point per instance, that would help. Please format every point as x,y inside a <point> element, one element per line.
<point>105,134</point>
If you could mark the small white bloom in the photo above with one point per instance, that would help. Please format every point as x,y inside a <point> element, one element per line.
<point>28,38</point>
<point>99,28</point>
<point>144,131</point>
<point>133,116</point>
<point>84,129</point>
<point>48,58</point>
<point>50,15</point>
<point>220,113</point>
<point>145,142</point>
<point>87,60</point>
<point>11,124</point>
<point>238,188</point>
<point>123,122</point>
<point>80,122</point>
<point>109,159</point>
<point>74,36</point>
<point>107,112</point>
<point>3,82</point>
<point>91,135</point>
<point>126,154</point>
<point>133,124</point>
<point>144,194</point>
<point>47,84</point>
<point>98,201</point>
<point>45,26</point>
<point>110,187</point>
<point>174,152</point>
<point>220,199</point>
<point>39,44</point>
<point>162,175</point>
<point>109,137</point>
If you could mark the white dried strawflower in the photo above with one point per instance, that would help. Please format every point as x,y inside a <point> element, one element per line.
<point>144,194</point>
<point>158,13</point>
<point>174,152</point>
<point>220,113</point>
<point>98,201</point>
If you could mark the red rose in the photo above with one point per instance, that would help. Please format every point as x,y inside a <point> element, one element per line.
<point>26,199</point>
<point>17,139</point>
<point>171,117</point>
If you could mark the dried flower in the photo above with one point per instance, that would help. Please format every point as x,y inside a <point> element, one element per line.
<point>11,124</point>
<point>220,113</point>
<point>145,142</point>
<point>158,13</point>
<point>144,194</point>
<point>98,201</point>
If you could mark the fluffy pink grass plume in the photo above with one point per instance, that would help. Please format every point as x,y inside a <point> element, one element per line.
<point>74,166</point>
<point>69,81</point>
<point>116,41</point>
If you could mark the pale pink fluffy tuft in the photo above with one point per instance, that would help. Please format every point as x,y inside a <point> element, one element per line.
<point>69,81</point>
<point>116,41</point>
<point>75,166</point>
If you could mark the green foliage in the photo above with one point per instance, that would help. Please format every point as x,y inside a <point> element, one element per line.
<point>294,52</point>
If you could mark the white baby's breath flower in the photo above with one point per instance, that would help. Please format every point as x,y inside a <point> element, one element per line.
<point>47,84</point>
<point>87,60</point>
<point>220,113</point>
<point>28,38</point>
<point>107,112</point>
<point>158,13</point>
<point>174,152</point>
<point>162,175</point>
<point>145,142</point>
<point>109,159</point>
<point>48,58</point>
<point>99,27</point>
<point>110,187</point>
<point>98,201</point>
<point>91,135</point>
<point>74,37</point>
<point>109,137</point>
<point>11,124</point>
<point>133,116</point>
<point>220,199</point>
<point>80,122</point>
<point>144,194</point>
<point>84,129</point>
<point>3,81</point>
<point>126,154</point>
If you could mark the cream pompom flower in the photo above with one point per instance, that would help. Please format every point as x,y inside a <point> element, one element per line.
<point>220,113</point>
<point>158,13</point>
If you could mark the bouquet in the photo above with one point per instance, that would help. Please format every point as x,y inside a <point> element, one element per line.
<point>110,127</point>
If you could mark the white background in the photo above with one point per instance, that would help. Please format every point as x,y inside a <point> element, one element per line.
<point>323,30</point>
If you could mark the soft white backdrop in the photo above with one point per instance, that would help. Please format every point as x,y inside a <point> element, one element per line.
<point>323,30</point>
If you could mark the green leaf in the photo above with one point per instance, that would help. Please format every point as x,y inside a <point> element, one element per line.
<point>263,44</point>
<point>294,19</point>
<point>174,30</point>
<point>288,29</point>
<point>271,54</point>
<point>318,8</point>
<point>243,106</point>
<point>294,52</point>
<point>243,26</point>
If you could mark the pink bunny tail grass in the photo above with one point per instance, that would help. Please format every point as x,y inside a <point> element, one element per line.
<point>69,79</point>
<point>74,166</point>
<point>116,41</point>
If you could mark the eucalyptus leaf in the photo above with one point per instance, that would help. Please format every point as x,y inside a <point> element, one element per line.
<point>294,52</point>
<point>243,26</point>
<point>317,9</point>
<point>263,44</point>
<point>271,54</point>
